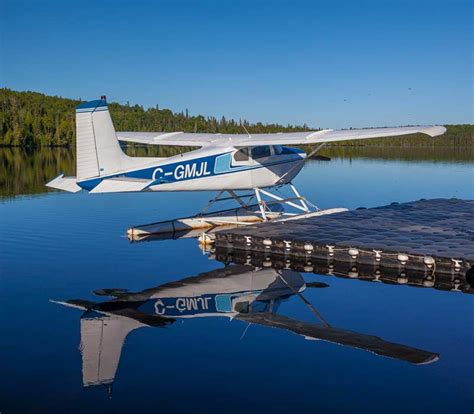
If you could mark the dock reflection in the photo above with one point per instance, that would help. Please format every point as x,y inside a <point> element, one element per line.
<point>238,292</point>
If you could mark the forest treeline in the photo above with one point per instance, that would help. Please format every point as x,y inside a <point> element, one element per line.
<point>31,119</point>
<point>34,119</point>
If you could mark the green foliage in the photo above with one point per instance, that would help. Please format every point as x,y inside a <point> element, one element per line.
<point>26,170</point>
<point>31,119</point>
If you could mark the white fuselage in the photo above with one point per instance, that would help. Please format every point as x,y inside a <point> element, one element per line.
<point>277,169</point>
<point>217,168</point>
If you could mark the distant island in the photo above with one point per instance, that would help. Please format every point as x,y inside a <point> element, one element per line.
<point>31,119</point>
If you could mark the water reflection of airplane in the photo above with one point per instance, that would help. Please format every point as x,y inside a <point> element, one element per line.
<point>237,292</point>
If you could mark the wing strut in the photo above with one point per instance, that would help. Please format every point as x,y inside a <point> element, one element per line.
<point>310,306</point>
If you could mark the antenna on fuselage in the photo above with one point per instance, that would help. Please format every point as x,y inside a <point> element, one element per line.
<point>245,129</point>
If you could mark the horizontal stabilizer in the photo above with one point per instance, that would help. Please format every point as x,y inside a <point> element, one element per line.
<point>65,184</point>
<point>121,185</point>
<point>75,303</point>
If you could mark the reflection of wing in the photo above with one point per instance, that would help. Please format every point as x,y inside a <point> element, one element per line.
<point>284,138</point>
<point>340,336</point>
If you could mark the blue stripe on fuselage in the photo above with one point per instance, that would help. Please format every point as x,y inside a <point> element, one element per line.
<point>178,171</point>
<point>209,166</point>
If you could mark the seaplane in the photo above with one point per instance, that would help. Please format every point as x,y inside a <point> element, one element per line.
<point>258,164</point>
<point>246,294</point>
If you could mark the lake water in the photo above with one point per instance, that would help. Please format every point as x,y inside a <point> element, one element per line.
<point>200,356</point>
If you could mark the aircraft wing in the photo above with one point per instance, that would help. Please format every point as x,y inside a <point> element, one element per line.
<point>282,138</point>
<point>181,139</point>
<point>369,343</point>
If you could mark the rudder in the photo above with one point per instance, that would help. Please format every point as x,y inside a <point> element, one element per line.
<point>98,151</point>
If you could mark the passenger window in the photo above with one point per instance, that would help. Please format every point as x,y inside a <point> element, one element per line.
<point>260,152</point>
<point>242,307</point>
<point>242,155</point>
<point>278,149</point>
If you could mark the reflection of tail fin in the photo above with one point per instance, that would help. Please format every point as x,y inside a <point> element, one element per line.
<point>98,150</point>
<point>102,338</point>
<point>104,327</point>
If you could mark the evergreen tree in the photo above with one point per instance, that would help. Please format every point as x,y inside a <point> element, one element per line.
<point>31,119</point>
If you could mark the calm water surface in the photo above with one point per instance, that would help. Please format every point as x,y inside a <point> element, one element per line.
<point>203,356</point>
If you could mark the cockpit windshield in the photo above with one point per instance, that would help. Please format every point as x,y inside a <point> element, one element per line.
<point>261,151</point>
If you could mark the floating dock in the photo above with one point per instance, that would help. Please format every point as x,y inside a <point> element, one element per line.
<point>447,280</point>
<point>428,237</point>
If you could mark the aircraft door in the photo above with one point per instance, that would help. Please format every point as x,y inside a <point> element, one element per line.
<point>242,157</point>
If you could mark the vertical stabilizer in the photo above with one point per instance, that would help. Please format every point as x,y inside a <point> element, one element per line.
<point>98,150</point>
<point>102,338</point>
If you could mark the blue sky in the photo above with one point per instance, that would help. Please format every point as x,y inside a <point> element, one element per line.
<point>328,64</point>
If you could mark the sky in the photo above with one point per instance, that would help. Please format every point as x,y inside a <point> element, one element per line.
<point>329,64</point>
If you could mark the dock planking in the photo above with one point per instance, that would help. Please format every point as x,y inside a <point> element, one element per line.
<point>425,235</point>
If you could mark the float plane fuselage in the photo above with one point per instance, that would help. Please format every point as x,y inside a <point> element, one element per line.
<point>222,162</point>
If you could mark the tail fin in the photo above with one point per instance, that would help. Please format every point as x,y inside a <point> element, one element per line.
<point>98,150</point>
<point>102,338</point>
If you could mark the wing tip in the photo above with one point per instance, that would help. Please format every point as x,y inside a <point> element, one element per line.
<point>435,130</point>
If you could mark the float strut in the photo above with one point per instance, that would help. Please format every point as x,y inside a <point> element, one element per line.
<point>302,200</point>
<point>260,204</point>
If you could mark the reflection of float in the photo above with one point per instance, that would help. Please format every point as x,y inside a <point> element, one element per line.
<point>236,292</point>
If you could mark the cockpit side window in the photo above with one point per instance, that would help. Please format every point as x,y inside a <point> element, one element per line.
<point>242,155</point>
<point>261,151</point>
<point>242,307</point>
